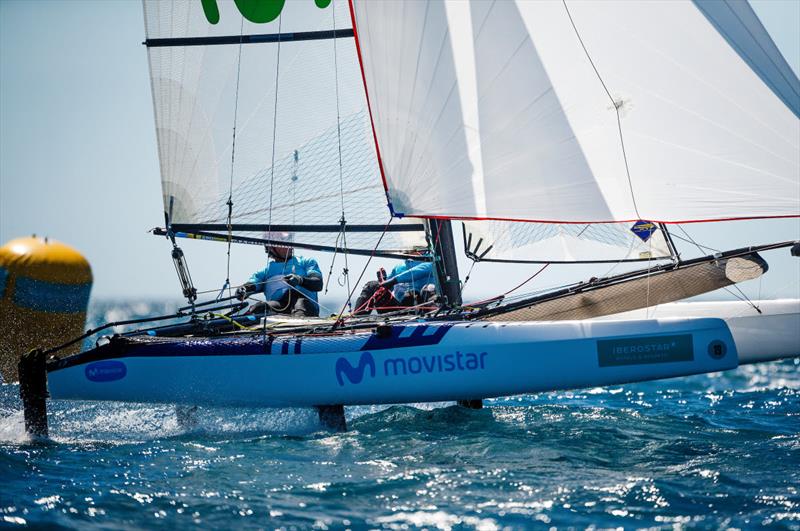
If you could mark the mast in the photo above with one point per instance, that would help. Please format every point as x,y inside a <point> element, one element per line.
<point>671,244</point>
<point>444,250</point>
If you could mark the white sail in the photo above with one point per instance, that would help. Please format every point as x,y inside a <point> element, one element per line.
<point>506,241</point>
<point>587,111</point>
<point>290,102</point>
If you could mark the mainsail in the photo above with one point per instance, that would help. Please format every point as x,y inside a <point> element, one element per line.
<point>262,125</point>
<point>580,111</point>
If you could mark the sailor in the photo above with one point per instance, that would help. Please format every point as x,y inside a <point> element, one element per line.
<point>409,284</point>
<point>290,283</point>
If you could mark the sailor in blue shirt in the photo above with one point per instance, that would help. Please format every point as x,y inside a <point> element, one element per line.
<point>289,283</point>
<point>409,277</point>
<point>410,283</point>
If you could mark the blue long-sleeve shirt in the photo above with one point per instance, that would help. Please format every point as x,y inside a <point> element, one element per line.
<point>270,279</point>
<point>412,274</point>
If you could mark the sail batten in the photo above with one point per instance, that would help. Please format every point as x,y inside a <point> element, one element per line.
<point>250,39</point>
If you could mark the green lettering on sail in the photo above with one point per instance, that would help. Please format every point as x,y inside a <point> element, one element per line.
<point>257,11</point>
<point>211,10</point>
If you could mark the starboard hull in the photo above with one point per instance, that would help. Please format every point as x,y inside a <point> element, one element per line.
<point>770,333</point>
<point>412,363</point>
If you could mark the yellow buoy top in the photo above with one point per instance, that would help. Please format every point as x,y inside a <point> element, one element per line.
<point>45,260</point>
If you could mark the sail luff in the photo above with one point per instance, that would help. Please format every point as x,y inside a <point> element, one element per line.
<point>366,95</point>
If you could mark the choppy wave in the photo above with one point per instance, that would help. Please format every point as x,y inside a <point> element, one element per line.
<point>709,451</point>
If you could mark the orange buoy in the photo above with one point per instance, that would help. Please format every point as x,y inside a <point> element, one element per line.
<point>44,293</point>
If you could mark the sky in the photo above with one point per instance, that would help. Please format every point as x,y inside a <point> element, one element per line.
<point>79,163</point>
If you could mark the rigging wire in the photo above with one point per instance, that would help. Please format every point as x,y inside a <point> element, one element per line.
<point>274,127</point>
<point>343,220</point>
<point>466,278</point>
<point>338,320</point>
<point>378,292</point>
<point>545,266</point>
<point>616,264</point>
<point>689,239</point>
<point>333,262</point>
<point>623,260</point>
<point>616,103</point>
<point>743,297</point>
<point>233,160</point>
<point>515,288</point>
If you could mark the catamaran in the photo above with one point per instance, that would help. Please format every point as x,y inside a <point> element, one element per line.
<point>555,132</point>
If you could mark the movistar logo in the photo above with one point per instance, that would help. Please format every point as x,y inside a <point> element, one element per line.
<point>105,371</point>
<point>256,11</point>
<point>355,374</point>
<point>411,365</point>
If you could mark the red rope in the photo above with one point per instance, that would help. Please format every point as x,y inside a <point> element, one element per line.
<point>375,295</point>
<point>339,319</point>
<point>418,306</point>
<point>378,291</point>
<point>511,290</point>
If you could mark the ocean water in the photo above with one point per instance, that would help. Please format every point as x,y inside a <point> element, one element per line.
<point>710,451</point>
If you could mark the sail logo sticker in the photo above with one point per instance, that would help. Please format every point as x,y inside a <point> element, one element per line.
<point>644,350</point>
<point>644,229</point>
<point>355,374</point>
<point>256,11</point>
<point>106,371</point>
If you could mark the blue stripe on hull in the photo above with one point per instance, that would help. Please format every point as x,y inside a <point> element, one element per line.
<point>400,337</point>
<point>408,336</point>
<point>470,362</point>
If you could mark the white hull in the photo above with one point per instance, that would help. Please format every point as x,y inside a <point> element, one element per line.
<point>770,335</point>
<point>417,363</point>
